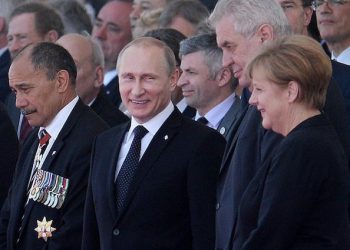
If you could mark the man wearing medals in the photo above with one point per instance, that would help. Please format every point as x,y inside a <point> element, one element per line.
<point>44,207</point>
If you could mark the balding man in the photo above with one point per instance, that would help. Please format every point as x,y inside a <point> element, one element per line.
<point>139,166</point>
<point>88,57</point>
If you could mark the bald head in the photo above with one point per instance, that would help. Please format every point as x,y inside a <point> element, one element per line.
<point>88,58</point>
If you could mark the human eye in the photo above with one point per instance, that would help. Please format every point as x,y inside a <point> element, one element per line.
<point>287,6</point>
<point>113,28</point>
<point>98,23</point>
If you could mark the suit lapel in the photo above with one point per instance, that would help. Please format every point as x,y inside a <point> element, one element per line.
<point>231,142</point>
<point>229,123</point>
<point>159,142</point>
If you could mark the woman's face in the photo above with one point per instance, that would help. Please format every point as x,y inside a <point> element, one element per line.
<point>271,100</point>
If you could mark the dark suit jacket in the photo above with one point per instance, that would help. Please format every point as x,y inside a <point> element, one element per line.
<point>246,153</point>
<point>8,153</point>
<point>298,198</point>
<point>171,201</point>
<point>12,110</point>
<point>5,62</point>
<point>112,91</point>
<point>107,111</point>
<point>229,124</point>
<point>69,157</point>
<point>341,74</point>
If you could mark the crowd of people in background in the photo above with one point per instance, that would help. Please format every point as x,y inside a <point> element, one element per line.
<point>175,124</point>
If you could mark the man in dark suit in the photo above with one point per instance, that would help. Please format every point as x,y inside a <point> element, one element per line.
<point>252,144</point>
<point>88,57</point>
<point>5,62</point>
<point>166,199</point>
<point>44,208</point>
<point>8,153</point>
<point>207,86</point>
<point>112,30</point>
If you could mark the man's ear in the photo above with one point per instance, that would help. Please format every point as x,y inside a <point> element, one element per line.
<point>307,16</point>
<point>2,25</point>
<point>98,79</point>
<point>224,76</point>
<point>51,36</point>
<point>174,77</point>
<point>265,33</point>
<point>62,81</point>
<point>293,91</point>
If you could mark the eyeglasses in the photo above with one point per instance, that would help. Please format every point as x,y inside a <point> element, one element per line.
<point>318,3</point>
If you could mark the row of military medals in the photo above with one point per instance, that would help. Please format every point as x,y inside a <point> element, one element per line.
<point>47,188</point>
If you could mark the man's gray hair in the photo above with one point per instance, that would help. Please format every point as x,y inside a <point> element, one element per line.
<point>205,43</point>
<point>248,15</point>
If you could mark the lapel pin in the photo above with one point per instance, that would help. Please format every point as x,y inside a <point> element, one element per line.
<point>54,152</point>
<point>166,137</point>
<point>222,130</point>
<point>44,229</point>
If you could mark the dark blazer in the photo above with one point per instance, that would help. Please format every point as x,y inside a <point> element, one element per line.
<point>8,153</point>
<point>5,62</point>
<point>229,124</point>
<point>171,202</point>
<point>12,110</point>
<point>189,112</point>
<point>107,111</point>
<point>69,157</point>
<point>112,91</point>
<point>247,151</point>
<point>297,200</point>
<point>341,73</point>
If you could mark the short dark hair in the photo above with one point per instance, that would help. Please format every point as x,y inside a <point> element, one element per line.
<point>170,37</point>
<point>51,58</point>
<point>46,18</point>
<point>192,11</point>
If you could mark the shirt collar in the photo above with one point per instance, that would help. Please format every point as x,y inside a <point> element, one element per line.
<point>181,105</point>
<point>155,123</point>
<point>343,57</point>
<point>216,114</point>
<point>60,119</point>
<point>109,76</point>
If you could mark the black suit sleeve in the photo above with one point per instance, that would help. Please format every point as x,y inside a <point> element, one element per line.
<point>201,182</point>
<point>91,239</point>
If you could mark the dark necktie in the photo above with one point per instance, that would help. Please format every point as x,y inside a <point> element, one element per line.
<point>129,166</point>
<point>202,120</point>
<point>25,130</point>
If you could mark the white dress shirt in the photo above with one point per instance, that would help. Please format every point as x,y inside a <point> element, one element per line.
<point>343,57</point>
<point>152,126</point>
<point>216,114</point>
<point>109,76</point>
<point>56,125</point>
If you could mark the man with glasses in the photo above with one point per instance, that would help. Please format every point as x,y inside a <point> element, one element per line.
<point>333,20</point>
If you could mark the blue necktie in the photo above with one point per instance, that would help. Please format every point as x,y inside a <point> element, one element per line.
<point>129,166</point>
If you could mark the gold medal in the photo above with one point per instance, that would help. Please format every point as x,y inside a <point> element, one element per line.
<point>44,229</point>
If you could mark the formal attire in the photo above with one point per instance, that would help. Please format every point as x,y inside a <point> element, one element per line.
<point>8,153</point>
<point>185,109</point>
<point>5,62</point>
<point>246,152</point>
<point>107,111</point>
<point>111,87</point>
<point>298,200</point>
<point>66,162</point>
<point>171,199</point>
<point>343,57</point>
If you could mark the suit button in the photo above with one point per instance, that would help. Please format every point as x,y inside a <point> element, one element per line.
<point>116,232</point>
<point>217,206</point>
